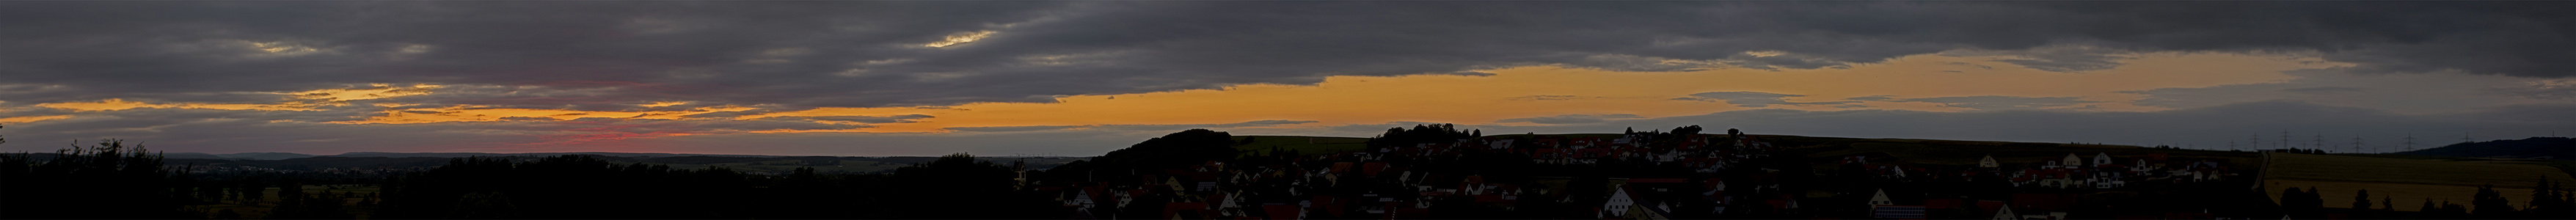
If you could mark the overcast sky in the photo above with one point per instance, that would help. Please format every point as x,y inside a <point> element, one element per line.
<point>878,78</point>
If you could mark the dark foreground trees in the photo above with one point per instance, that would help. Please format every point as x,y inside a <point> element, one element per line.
<point>109,180</point>
<point>581,187</point>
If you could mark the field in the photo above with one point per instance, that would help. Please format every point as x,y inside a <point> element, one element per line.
<point>1914,151</point>
<point>1965,153</point>
<point>2410,180</point>
<point>259,209</point>
<point>780,165</point>
<point>785,166</point>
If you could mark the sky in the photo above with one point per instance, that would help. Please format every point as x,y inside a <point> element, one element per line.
<point>1080,78</point>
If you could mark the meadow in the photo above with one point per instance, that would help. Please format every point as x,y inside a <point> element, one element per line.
<point>269,201</point>
<point>2409,180</point>
<point>1966,153</point>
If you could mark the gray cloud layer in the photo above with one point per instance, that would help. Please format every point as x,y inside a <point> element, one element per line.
<point>794,55</point>
<point>869,53</point>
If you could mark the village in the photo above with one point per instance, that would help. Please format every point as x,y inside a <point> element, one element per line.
<point>1633,175</point>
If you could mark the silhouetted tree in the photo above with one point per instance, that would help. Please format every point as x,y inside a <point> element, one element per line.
<point>2491,204</point>
<point>1686,131</point>
<point>108,180</point>
<point>1401,137</point>
<point>227,214</point>
<point>252,191</point>
<point>2429,209</point>
<point>210,193</point>
<point>2361,199</point>
<point>2549,201</point>
<point>2386,204</point>
<point>2300,203</point>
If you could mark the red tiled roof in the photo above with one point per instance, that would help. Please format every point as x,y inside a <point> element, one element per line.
<point>1658,180</point>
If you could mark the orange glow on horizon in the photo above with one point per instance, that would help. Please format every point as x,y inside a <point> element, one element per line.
<point>1518,92</point>
<point>32,119</point>
<point>1480,99</point>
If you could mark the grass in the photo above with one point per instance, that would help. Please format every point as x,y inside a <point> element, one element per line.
<point>269,199</point>
<point>1966,153</point>
<point>783,166</point>
<point>2407,179</point>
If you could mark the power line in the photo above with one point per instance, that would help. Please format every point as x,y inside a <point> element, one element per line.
<point>2254,142</point>
<point>2285,139</point>
<point>2320,143</point>
<point>2410,142</point>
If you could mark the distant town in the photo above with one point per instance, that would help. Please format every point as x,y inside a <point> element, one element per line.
<point>1420,172</point>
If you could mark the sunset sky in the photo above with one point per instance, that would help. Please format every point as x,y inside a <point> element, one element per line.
<point>884,78</point>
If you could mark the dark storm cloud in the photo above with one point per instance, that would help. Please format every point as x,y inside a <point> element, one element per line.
<point>2545,90</point>
<point>2056,59</point>
<point>1753,99</point>
<point>1571,119</point>
<point>804,54</point>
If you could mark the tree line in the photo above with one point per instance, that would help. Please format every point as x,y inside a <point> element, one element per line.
<point>2548,200</point>
<point>114,180</point>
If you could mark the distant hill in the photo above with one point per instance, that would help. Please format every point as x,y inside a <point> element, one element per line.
<point>612,154</point>
<point>264,155</point>
<point>191,156</point>
<point>2552,148</point>
<point>759,164</point>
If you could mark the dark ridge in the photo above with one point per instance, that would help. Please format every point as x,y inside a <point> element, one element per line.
<point>2547,148</point>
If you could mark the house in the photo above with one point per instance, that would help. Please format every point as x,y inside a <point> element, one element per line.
<point>1185,210</point>
<point>2005,213</point>
<point>1988,162</point>
<point>1650,209</point>
<point>1129,197</point>
<point>2101,159</point>
<point>1716,191</point>
<point>1619,202</point>
<point>1327,204</point>
<point>1229,204</point>
<point>2070,161</point>
<point>1881,199</point>
<point>1898,212</point>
